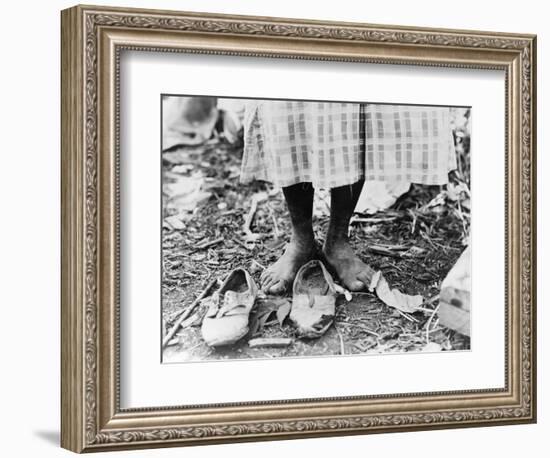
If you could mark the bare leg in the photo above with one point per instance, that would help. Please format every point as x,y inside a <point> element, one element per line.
<point>353,272</point>
<point>278,277</point>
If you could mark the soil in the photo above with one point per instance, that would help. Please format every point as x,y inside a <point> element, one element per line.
<point>413,244</point>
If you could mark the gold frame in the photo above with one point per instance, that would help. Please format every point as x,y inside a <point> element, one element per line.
<point>92,38</point>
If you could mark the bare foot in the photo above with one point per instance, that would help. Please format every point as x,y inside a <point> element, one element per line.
<point>278,277</point>
<point>353,273</point>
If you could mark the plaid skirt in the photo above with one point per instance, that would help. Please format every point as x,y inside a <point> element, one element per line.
<point>332,144</point>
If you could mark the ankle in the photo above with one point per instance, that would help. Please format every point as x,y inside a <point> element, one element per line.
<point>302,235</point>
<point>334,244</point>
<point>303,243</point>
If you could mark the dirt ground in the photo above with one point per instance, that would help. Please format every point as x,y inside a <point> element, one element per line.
<point>414,244</point>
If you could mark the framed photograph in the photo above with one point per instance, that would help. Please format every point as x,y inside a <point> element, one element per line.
<point>278,228</point>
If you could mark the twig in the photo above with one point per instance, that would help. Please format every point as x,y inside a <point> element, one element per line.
<point>413,225</point>
<point>244,245</point>
<point>431,300</point>
<point>188,311</point>
<point>204,245</point>
<point>275,225</point>
<point>276,342</point>
<point>428,324</point>
<point>424,309</point>
<point>387,251</point>
<point>364,328</point>
<point>406,316</point>
<point>189,274</point>
<point>359,219</point>
<point>250,216</point>
<point>228,213</point>
<point>428,239</point>
<point>173,342</point>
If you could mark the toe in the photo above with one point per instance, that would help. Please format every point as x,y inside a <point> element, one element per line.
<point>267,282</point>
<point>365,276</point>
<point>278,287</point>
<point>355,285</point>
<point>265,274</point>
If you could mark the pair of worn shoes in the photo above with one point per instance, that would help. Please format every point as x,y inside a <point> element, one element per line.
<point>312,312</point>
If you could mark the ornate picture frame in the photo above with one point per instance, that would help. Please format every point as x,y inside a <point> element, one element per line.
<point>92,41</point>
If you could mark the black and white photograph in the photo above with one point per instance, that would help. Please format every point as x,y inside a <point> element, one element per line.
<point>267,229</point>
<point>305,228</point>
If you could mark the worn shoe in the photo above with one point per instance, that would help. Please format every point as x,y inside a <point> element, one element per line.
<point>226,320</point>
<point>313,300</point>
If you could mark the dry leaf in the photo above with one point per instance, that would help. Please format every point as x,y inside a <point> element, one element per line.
<point>393,297</point>
<point>262,320</point>
<point>380,195</point>
<point>175,222</point>
<point>268,309</point>
<point>186,194</point>
<point>374,281</point>
<point>283,311</point>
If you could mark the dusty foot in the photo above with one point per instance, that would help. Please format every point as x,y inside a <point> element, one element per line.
<point>278,278</point>
<point>353,273</point>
